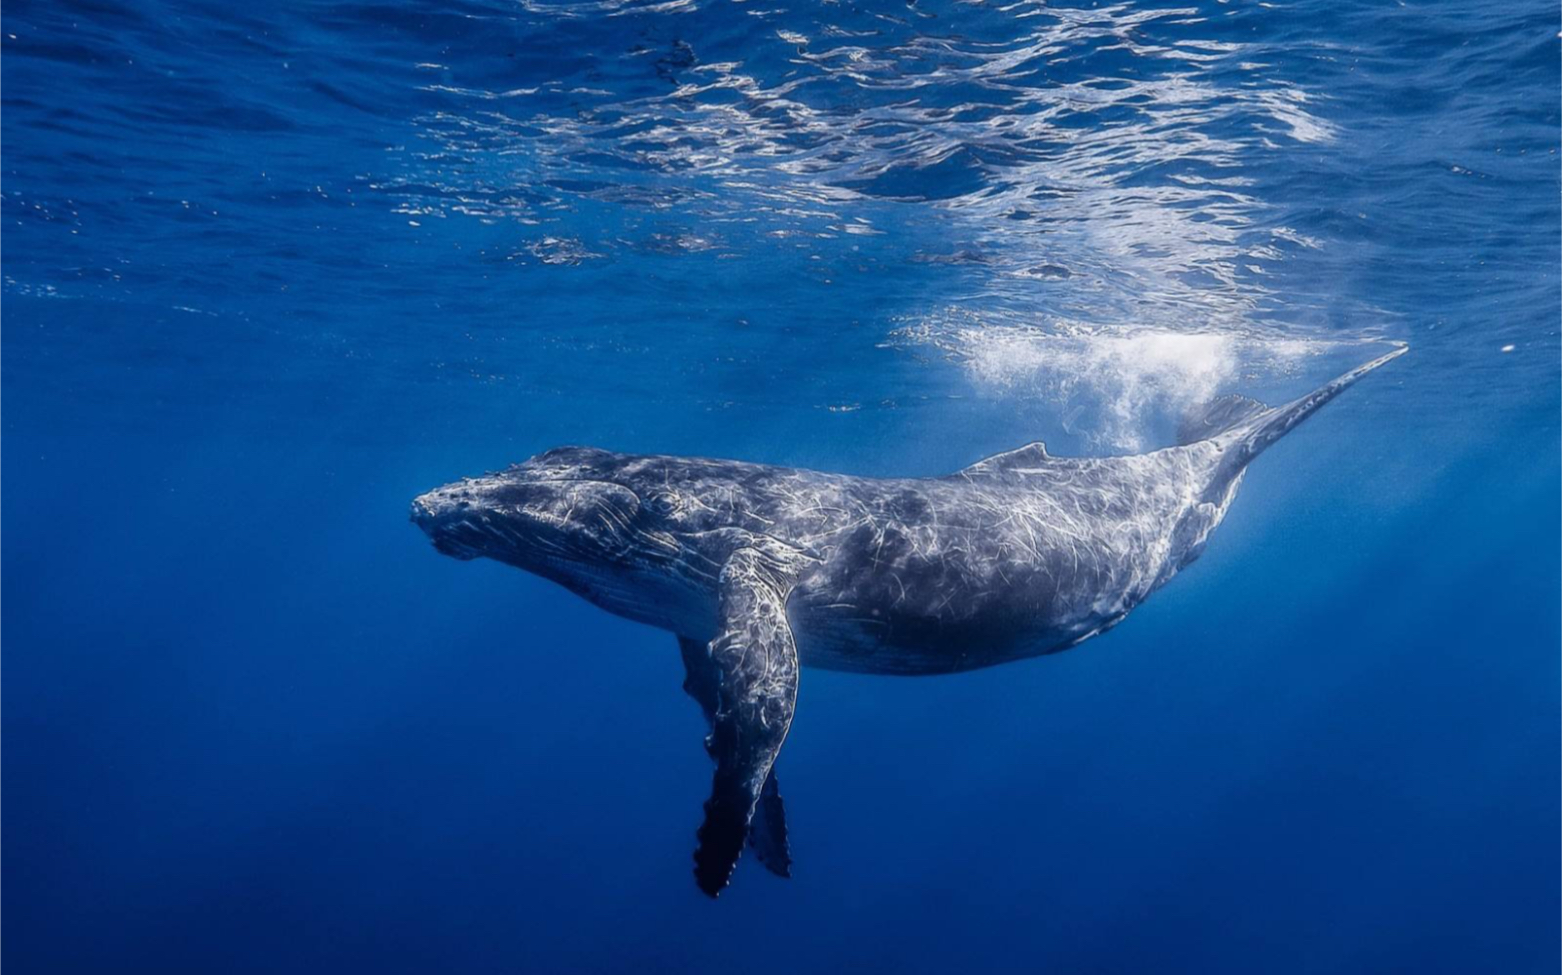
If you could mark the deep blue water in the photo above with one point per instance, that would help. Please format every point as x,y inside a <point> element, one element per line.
<point>272,270</point>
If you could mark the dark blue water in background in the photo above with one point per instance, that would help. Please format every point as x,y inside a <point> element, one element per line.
<point>269,271</point>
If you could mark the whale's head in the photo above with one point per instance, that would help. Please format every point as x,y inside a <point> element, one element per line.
<point>569,505</point>
<point>586,518</point>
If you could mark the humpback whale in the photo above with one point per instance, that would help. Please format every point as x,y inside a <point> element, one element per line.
<point>760,570</point>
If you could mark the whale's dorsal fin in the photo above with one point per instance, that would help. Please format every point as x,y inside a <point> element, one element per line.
<point>1017,461</point>
<point>1210,419</point>
<point>754,659</point>
<point>767,831</point>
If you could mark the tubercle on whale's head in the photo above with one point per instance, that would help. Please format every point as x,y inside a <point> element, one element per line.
<point>559,514</point>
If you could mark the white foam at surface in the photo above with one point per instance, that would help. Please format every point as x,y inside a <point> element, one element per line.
<point>1131,375</point>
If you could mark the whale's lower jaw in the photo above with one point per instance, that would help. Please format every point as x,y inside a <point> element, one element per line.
<point>654,598</point>
<point>456,550</point>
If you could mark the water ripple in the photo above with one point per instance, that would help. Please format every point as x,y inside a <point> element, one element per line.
<point>837,177</point>
<point>1086,150</point>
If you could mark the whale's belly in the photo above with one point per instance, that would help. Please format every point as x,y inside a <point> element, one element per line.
<point>903,645</point>
<point>887,622</point>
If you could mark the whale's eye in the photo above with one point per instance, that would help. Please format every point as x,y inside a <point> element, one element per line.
<point>664,503</point>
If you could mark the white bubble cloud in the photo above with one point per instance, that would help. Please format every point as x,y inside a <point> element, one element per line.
<point>1130,376</point>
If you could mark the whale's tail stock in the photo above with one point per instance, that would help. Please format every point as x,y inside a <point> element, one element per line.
<point>1246,427</point>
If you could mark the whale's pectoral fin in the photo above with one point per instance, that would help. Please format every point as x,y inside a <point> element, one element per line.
<point>767,829</point>
<point>700,676</point>
<point>755,660</point>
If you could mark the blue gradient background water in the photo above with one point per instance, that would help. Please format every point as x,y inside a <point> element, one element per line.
<point>269,271</point>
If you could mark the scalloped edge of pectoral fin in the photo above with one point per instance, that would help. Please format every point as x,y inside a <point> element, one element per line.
<point>767,832</point>
<point>767,835</point>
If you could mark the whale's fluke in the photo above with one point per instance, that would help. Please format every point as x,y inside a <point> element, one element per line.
<point>1254,436</point>
<point>1209,420</point>
<point>1245,428</point>
<point>1265,424</point>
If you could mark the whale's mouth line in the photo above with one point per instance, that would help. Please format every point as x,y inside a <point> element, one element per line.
<point>486,535</point>
<point>531,537</point>
<point>453,511</point>
<point>447,546</point>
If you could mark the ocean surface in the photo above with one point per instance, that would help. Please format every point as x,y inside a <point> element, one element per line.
<point>271,270</point>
